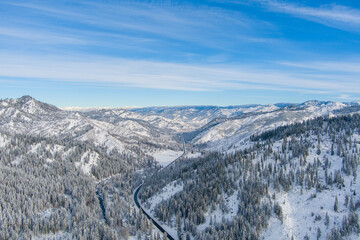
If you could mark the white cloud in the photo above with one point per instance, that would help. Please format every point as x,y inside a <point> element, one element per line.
<point>207,26</point>
<point>175,76</point>
<point>145,28</point>
<point>328,66</point>
<point>333,15</point>
<point>40,37</point>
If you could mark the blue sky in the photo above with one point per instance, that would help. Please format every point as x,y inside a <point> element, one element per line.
<point>147,53</point>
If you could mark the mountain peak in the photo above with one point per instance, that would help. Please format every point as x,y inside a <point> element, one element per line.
<point>26,98</point>
<point>30,105</point>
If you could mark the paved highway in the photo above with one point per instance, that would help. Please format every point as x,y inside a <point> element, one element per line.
<point>136,200</point>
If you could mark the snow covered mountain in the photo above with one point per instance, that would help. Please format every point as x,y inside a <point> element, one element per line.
<point>93,159</point>
<point>190,118</point>
<point>132,127</point>
<point>230,133</point>
<point>57,169</point>
<point>174,119</point>
<point>53,189</point>
<point>222,128</point>
<point>299,181</point>
<point>209,127</point>
<point>29,116</point>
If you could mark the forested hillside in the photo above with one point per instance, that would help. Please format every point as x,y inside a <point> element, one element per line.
<point>295,182</point>
<point>65,176</point>
<point>59,189</point>
<point>71,175</point>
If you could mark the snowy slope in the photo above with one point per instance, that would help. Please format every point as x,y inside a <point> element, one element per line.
<point>230,133</point>
<point>212,127</point>
<point>132,128</point>
<point>304,210</point>
<point>304,172</point>
<point>47,149</point>
<point>190,118</point>
<point>29,116</point>
<point>175,119</point>
<point>165,157</point>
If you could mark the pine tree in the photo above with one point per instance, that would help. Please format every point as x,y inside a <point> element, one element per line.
<point>336,204</point>
<point>318,233</point>
<point>327,219</point>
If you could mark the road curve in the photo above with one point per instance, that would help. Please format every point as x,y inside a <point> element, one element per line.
<point>136,200</point>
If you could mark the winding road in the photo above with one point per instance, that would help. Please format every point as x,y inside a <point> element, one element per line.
<point>136,200</point>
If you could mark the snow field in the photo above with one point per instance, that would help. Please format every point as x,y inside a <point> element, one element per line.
<point>303,213</point>
<point>165,157</point>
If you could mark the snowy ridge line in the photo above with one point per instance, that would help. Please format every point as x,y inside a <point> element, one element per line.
<point>137,203</point>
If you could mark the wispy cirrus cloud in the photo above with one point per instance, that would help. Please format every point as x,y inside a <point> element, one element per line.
<point>41,36</point>
<point>176,76</point>
<point>350,67</point>
<point>177,45</point>
<point>332,15</point>
<point>203,25</point>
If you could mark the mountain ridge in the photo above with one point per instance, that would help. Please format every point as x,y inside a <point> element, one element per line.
<point>209,127</point>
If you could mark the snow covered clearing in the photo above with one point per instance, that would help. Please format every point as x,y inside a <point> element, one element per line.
<point>212,217</point>
<point>88,159</point>
<point>54,236</point>
<point>165,157</point>
<point>303,214</point>
<point>17,161</point>
<point>193,155</point>
<point>305,211</point>
<point>167,192</point>
<point>3,140</point>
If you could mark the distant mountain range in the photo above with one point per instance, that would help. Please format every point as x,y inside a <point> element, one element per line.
<point>208,127</point>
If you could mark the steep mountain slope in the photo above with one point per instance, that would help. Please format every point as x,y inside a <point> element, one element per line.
<point>212,127</point>
<point>133,128</point>
<point>66,189</point>
<point>190,118</point>
<point>298,181</point>
<point>65,176</point>
<point>29,116</point>
<point>174,119</point>
<point>229,133</point>
<point>46,190</point>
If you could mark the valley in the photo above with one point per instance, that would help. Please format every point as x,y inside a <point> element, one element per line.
<point>252,172</point>
<point>179,120</point>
